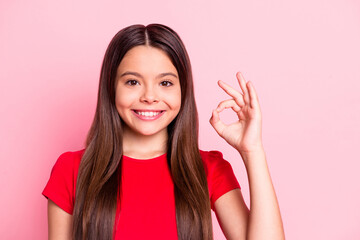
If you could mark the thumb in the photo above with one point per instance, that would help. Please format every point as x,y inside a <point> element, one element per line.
<point>217,124</point>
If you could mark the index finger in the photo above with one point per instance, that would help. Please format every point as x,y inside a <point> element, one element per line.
<point>238,97</point>
<point>243,87</point>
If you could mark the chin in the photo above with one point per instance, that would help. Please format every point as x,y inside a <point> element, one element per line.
<point>151,132</point>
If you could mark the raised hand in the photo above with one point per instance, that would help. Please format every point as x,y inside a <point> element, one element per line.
<point>244,134</point>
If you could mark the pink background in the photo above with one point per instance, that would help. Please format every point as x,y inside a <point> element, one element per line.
<point>302,56</point>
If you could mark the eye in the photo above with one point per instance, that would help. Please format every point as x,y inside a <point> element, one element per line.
<point>166,83</point>
<point>132,82</point>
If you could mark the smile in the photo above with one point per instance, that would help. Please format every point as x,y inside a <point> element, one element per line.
<point>148,115</point>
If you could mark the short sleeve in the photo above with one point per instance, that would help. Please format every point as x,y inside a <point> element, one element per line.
<point>62,182</point>
<point>220,175</point>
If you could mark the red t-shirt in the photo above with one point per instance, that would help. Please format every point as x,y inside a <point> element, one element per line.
<point>147,203</point>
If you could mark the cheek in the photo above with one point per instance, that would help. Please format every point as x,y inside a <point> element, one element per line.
<point>122,103</point>
<point>174,101</point>
<point>124,98</point>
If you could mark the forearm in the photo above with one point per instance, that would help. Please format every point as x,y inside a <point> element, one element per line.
<point>264,218</point>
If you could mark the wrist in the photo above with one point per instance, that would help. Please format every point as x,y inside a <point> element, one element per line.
<point>253,150</point>
<point>253,154</point>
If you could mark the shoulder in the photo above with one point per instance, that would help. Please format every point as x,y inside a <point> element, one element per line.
<point>62,182</point>
<point>219,173</point>
<point>72,155</point>
<point>68,161</point>
<point>214,163</point>
<point>213,154</point>
<point>212,159</point>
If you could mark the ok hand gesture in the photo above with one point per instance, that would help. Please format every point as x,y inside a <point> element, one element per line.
<point>245,133</point>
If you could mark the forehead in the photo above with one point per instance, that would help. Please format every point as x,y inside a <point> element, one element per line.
<point>146,59</point>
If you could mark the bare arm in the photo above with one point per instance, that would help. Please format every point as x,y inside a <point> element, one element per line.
<point>232,215</point>
<point>59,222</point>
<point>263,220</point>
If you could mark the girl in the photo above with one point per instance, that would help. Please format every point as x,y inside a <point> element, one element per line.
<point>142,175</point>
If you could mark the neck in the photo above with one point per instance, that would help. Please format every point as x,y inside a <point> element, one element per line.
<point>144,147</point>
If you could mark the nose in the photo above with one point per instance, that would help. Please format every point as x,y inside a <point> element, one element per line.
<point>149,95</point>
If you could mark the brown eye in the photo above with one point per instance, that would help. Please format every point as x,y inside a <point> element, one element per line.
<point>132,82</point>
<point>166,83</point>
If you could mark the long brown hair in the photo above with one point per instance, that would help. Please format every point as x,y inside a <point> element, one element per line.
<point>98,184</point>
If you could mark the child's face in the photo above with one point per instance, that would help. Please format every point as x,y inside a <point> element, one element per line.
<point>148,94</point>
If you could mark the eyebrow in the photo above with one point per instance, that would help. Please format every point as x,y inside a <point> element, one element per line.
<point>139,75</point>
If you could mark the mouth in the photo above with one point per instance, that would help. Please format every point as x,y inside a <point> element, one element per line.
<point>148,114</point>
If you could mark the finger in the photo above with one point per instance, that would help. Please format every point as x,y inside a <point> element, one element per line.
<point>217,124</point>
<point>238,97</point>
<point>230,103</point>
<point>242,84</point>
<point>254,100</point>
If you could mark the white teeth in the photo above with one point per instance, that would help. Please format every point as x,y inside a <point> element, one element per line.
<point>148,114</point>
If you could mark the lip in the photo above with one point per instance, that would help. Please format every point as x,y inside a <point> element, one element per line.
<point>147,118</point>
